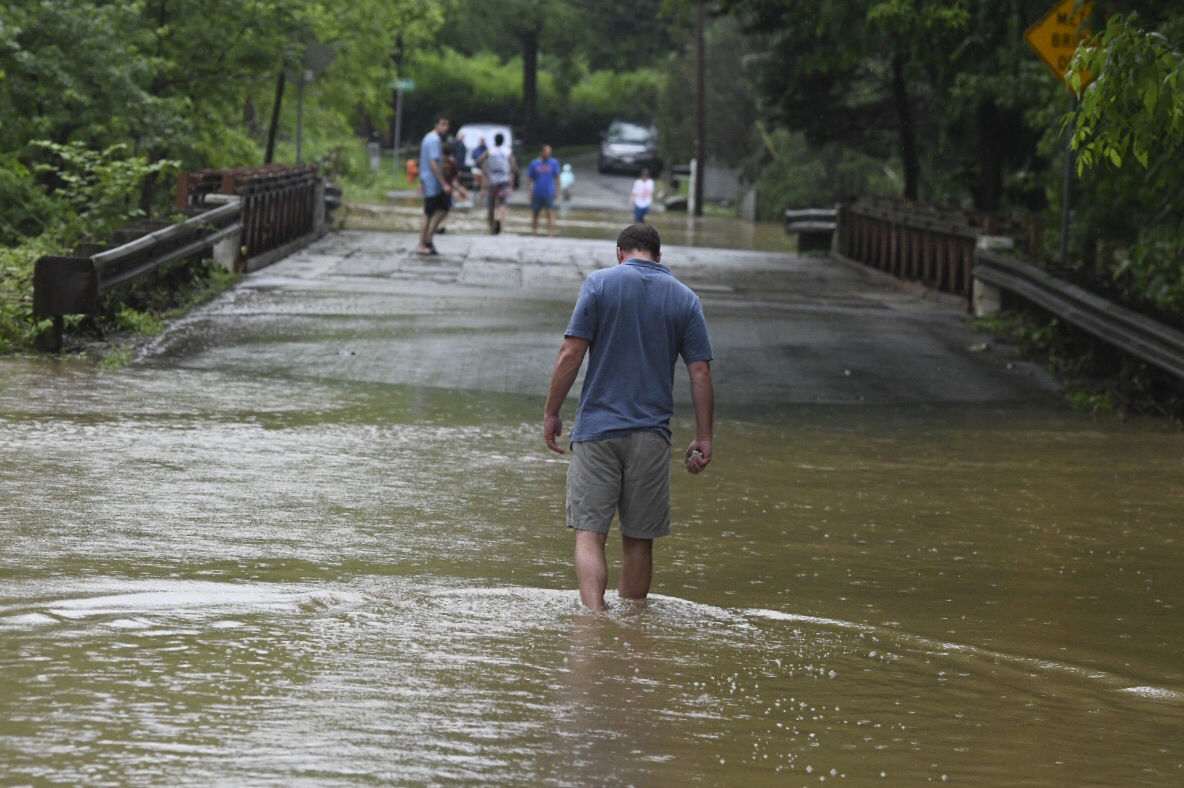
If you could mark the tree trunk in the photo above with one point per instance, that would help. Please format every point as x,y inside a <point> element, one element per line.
<point>700,108</point>
<point>990,163</point>
<point>148,188</point>
<point>397,57</point>
<point>530,76</point>
<point>275,117</point>
<point>908,134</point>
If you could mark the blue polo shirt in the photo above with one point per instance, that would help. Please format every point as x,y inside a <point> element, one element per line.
<point>639,320</point>
<point>429,149</point>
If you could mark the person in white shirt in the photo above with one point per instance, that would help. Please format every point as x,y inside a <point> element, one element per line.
<point>642,196</point>
<point>500,165</point>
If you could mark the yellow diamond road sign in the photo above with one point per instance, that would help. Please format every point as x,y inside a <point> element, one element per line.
<point>1056,36</point>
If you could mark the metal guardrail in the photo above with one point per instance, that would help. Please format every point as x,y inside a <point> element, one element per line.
<point>74,285</point>
<point>914,241</point>
<point>269,212</point>
<point>814,227</point>
<point>1127,330</point>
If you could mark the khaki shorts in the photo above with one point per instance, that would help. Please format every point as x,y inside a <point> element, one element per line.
<point>629,474</point>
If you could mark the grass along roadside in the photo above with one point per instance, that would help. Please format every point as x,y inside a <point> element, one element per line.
<point>127,317</point>
<point>1098,379</point>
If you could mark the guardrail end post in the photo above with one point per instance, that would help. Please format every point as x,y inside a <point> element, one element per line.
<point>50,340</point>
<point>987,299</point>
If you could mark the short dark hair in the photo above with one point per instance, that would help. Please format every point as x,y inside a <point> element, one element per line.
<point>498,139</point>
<point>442,116</point>
<point>642,237</point>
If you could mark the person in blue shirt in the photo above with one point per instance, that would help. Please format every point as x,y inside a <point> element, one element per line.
<point>633,321</point>
<point>543,174</point>
<point>478,173</point>
<point>437,195</point>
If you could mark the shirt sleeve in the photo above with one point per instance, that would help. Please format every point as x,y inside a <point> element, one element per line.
<point>696,344</point>
<point>583,317</point>
<point>434,148</point>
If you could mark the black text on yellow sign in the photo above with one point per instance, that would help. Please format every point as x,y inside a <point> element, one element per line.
<point>1056,36</point>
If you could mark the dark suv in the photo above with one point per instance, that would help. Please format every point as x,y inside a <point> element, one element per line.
<point>628,147</point>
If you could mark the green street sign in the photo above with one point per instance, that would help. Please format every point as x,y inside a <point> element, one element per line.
<point>403,84</point>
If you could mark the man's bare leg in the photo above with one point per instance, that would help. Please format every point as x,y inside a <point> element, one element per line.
<point>551,221</point>
<point>534,223</point>
<point>433,223</point>
<point>424,238</point>
<point>591,568</point>
<point>637,567</point>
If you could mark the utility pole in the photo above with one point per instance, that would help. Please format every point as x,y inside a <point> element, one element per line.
<point>700,110</point>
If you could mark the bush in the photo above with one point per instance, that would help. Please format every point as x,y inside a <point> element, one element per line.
<point>802,177</point>
<point>86,195</point>
<point>25,210</point>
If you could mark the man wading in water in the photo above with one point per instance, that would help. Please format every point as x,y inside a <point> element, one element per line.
<point>636,319</point>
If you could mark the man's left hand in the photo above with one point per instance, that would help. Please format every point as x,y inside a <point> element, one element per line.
<point>698,455</point>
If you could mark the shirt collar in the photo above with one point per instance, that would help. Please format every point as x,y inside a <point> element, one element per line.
<point>643,263</point>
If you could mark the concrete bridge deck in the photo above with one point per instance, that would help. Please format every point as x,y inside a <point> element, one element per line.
<point>489,312</point>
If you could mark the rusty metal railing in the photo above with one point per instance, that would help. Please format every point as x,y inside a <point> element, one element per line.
<point>914,241</point>
<point>281,204</point>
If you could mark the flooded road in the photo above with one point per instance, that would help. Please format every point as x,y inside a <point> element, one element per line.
<point>312,537</point>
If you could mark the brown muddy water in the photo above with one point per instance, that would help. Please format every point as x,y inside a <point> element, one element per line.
<point>229,564</point>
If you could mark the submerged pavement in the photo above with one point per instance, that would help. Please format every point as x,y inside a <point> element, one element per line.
<point>488,314</point>
<point>319,510</point>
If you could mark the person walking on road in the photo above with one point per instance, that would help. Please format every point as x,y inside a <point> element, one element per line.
<point>459,149</point>
<point>499,165</point>
<point>544,182</point>
<point>436,192</point>
<point>642,196</point>
<point>479,186</point>
<point>633,321</point>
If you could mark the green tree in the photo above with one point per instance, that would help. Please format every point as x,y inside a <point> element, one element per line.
<point>1128,133</point>
<point>566,38</point>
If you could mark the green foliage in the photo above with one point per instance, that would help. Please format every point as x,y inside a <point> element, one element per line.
<point>1128,133</point>
<point>801,176</point>
<point>25,209</point>
<point>17,327</point>
<point>484,87</point>
<point>732,104</point>
<point>142,323</point>
<point>1135,106</point>
<point>94,191</point>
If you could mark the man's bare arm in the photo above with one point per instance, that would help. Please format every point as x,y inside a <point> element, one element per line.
<point>698,454</point>
<point>567,367</point>
<point>435,165</point>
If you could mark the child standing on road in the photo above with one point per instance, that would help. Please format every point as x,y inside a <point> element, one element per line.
<point>642,196</point>
<point>566,179</point>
